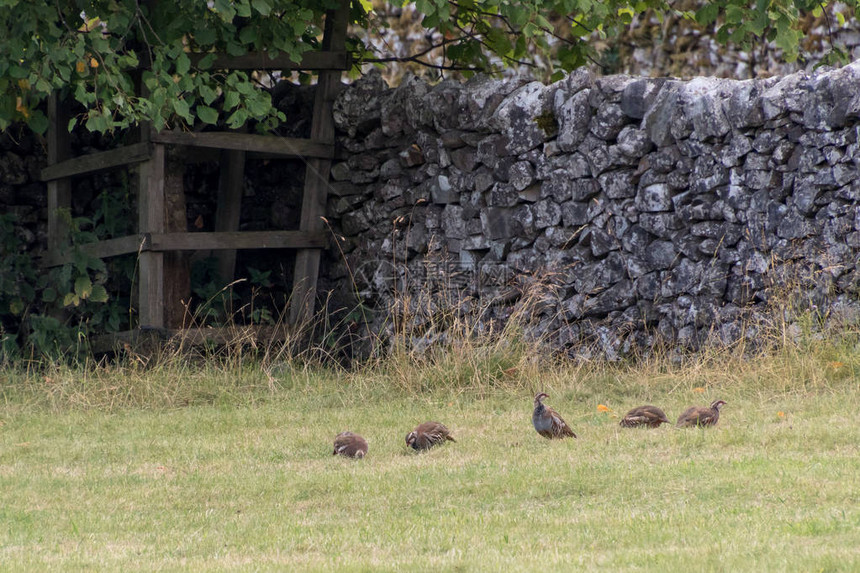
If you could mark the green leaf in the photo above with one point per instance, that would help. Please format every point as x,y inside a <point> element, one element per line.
<point>44,86</point>
<point>208,94</point>
<point>707,14</point>
<point>245,88</point>
<point>225,9</point>
<point>96,263</point>
<point>235,49</point>
<point>259,106</point>
<point>99,294</point>
<point>231,100</point>
<point>182,109</point>
<point>16,307</point>
<point>264,7</point>
<point>206,62</point>
<point>204,35</point>
<point>499,41</point>
<point>129,60</point>
<point>186,83</point>
<point>49,295</point>
<point>18,72</point>
<point>207,114</point>
<point>96,122</point>
<point>83,287</point>
<point>38,122</point>
<point>243,9</point>
<point>183,64</point>
<point>149,80</point>
<point>71,299</point>
<point>734,14</point>
<point>759,23</point>
<point>248,35</point>
<point>238,118</point>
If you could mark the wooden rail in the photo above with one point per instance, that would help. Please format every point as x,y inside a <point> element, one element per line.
<point>159,242</point>
<point>95,162</point>
<point>334,60</point>
<point>281,146</point>
<point>139,338</point>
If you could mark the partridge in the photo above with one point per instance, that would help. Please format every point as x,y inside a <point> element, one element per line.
<point>427,435</point>
<point>350,445</point>
<point>547,422</point>
<point>648,415</point>
<point>701,416</point>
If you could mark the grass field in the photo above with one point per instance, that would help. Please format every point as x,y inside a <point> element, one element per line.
<point>231,469</point>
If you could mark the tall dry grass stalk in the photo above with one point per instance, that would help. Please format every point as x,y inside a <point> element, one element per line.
<point>439,334</point>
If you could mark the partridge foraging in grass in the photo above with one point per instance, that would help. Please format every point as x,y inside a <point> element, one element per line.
<point>427,435</point>
<point>350,445</point>
<point>547,422</point>
<point>701,416</point>
<point>650,416</point>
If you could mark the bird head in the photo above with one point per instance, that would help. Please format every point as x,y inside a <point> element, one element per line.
<point>539,398</point>
<point>410,439</point>
<point>718,404</point>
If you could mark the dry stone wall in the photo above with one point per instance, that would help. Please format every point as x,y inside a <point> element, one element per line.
<point>645,209</point>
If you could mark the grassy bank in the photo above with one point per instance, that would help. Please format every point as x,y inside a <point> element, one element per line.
<point>215,467</point>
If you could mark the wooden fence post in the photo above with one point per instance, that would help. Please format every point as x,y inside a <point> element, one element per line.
<point>317,172</point>
<point>150,202</point>
<point>59,190</point>
<point>177,266</point>
<point>229,207</point>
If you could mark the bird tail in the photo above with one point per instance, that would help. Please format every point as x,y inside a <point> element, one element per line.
<point>451,438</point>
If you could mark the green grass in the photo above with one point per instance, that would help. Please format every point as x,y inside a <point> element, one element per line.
<point>232,470</point>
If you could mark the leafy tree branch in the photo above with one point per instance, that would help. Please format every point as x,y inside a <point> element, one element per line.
<point>127,61</point>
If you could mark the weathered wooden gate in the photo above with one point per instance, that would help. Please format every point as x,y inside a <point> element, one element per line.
<point>148,156</point>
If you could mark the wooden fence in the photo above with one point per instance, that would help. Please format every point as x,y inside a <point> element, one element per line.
<point>154,241</point>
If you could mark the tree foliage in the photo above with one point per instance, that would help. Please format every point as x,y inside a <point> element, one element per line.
<point>126,61</point>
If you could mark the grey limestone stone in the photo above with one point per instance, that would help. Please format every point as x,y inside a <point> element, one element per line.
<point>516,117</point>
<point>464,158</point>
<point>634,142</point>
<point>608,122</point>
<point>521,174</point>
<point>574,117</point>
<point>638,96</point>
<point>618,184</point>
<point>546,214</point>
<point>575,214</point>
<point>453,222</point>
<point>653,198</point>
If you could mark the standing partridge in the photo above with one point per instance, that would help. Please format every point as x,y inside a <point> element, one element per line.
<point>547,422</point>
<point>350,445</point>
<point>701,416</point>
<point>648,415</point>
<point>427,435</point>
